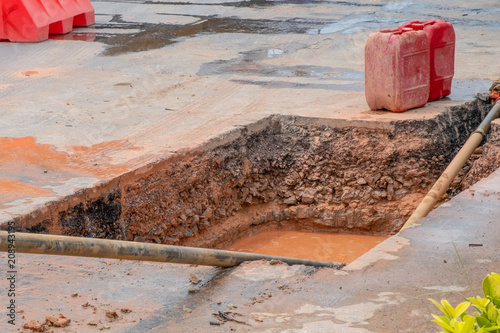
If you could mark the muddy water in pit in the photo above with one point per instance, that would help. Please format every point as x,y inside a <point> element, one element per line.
<point>314,246</point>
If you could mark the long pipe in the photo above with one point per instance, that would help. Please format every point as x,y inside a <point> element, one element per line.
<point>454,167</point>
<point>114,249</point>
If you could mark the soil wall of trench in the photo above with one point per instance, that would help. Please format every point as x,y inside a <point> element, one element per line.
<point>284,172</point>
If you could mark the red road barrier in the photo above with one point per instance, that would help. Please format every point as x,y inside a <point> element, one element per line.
<point>33,20</point>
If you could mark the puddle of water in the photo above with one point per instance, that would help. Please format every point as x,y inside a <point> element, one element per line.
<point>154,36</point>
<point>267,3</point>
<point>315,246</point>
<point>357,86</point>
<point>238,4</point>
<point>259,3</point>
<point>368,22</point>
<point>79,36</point>
<point>252,63</point>
<point>394,6</point>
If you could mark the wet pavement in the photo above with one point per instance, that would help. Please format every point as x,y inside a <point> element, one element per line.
<point>152,77</point>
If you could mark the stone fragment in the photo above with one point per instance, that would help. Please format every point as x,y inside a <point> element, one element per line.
<point>361,181</point>
<point>308,196</point>
<point>303,212</point>
<point>193,279</point>
<point>111,314</point>
<point>57,321</point>
<point>34,326</point>
<point>249,199</point>
<point>402,192</point>
<point>377,195</point>
<point>390,191</point>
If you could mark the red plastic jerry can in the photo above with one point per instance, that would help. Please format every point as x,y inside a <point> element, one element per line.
<point>397,67</point>
<point>2,33</point>
<point>441,36</point>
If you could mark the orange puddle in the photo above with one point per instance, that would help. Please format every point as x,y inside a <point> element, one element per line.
<point>20,154</point>
<point>8,186</point>
<point>89,160</point>
<point>29,73</point>
<point>27,150</point>
<point>314,246</point>
<point>48,71</point>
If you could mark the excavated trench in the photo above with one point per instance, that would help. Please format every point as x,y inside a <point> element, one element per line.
<point>281,173</point>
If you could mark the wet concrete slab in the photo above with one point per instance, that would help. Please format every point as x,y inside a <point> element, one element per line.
<point>153,77</point>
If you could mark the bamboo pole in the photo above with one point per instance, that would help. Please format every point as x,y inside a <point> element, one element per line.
<point>453,168</point>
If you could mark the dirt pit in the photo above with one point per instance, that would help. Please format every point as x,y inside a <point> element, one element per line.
<point>281,173</point>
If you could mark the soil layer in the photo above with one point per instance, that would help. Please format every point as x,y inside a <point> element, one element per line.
<point>287,173</point>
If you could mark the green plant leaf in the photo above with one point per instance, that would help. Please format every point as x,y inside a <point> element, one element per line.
<point>492,314</point>
<point>444,322</point>
<point>439,306</point>
<point>479,303</point>
<point>496,277</point>
<point>491,286</point>
<point>485,319</point>
<point>449,310</point>
<point>461,308</point>
<point>483,322</point>
<point>466,326</point>
<point>457,325</point>
<point>469,322</point>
